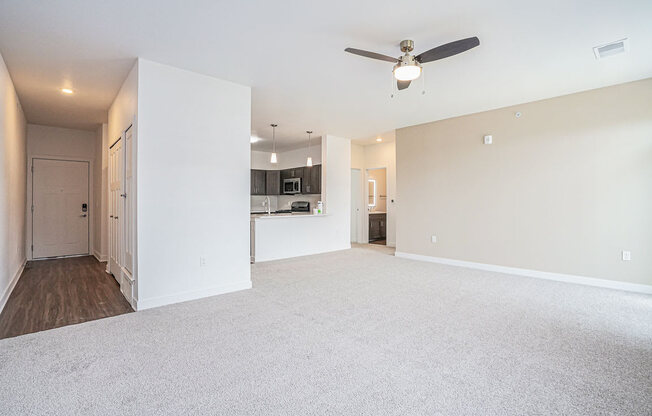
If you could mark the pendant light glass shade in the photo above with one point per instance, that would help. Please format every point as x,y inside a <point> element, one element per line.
<point>273,158</point>
<point>309,159</point>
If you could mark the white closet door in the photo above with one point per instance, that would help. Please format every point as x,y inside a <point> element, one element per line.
<point>59,193</point>
<point>129,231</point>
<point>115,208</point>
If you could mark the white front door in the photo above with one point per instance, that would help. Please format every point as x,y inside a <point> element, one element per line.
<point>116,166</point>
<point>60,213</point>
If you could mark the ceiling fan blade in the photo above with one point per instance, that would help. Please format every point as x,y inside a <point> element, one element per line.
<point>449,49</point>
<point>402,84</point>
<point>372,55</point>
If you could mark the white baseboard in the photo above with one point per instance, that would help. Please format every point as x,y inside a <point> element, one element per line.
<point>100,257</point>
<point>140,305</point>
<point>559,277</point>
<point>12,285</point>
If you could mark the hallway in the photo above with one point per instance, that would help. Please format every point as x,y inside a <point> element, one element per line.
<point>60,292</point>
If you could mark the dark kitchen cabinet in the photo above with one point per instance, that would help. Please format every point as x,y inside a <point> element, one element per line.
<point>311,182</point>
<point>258,179</point>
<point>273,182</point>
<point>291,173</point>
<point>377,226</point>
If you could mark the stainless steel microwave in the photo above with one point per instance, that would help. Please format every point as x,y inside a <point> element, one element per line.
<point>292,186</point>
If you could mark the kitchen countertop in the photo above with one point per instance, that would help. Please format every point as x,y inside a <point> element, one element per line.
<point>377,212</point>
<point>265,216</point>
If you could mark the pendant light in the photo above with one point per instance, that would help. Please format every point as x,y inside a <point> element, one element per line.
<point>309,159</point>
<point>273,159</point>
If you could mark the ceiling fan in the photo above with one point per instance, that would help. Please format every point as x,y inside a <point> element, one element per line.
<point>408,67</point>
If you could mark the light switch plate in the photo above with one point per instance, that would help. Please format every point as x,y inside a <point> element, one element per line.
<point>433,238</point>
<point>627,255</point>
<point>488,139</point>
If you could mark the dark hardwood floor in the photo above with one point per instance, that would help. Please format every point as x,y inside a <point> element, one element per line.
<point>59,292</point>
<point>382,242</point>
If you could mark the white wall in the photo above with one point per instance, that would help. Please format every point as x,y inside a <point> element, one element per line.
<point>563,189</point>
<point>289,159</point>
<point>278,238</point>
<point>13,178</point>
<point>57,142</point>
<point>193,185</point>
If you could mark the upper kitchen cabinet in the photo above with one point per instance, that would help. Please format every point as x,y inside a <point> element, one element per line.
<point>292,173</point>
<point>273,182</point>
<point>311,182</point>
<point>258,180</point>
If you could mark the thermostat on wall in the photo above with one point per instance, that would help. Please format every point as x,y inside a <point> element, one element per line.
<point>488,139</point>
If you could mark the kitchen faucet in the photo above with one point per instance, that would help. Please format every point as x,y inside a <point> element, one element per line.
<point>268,204</point>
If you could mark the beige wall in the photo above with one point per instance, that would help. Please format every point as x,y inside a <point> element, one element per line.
<point>564,188</point>
<point>13,171</point>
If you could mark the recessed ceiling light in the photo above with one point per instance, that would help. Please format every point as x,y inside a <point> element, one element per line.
<point>66,90</point>
<point>379,139</point>
<point>254,139</point>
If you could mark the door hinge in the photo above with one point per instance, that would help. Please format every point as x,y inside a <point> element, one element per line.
<point>32,168</point>
<point>32,248</point>
<point>32,208</point>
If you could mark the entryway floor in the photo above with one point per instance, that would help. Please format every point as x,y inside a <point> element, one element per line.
<point>59,292</point>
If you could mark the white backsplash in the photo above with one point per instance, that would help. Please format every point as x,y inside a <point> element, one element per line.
<point>281,202</point>
<point>284,201</point>
<point>257,203</point>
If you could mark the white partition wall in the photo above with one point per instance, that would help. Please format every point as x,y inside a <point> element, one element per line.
<point>283,237</point>
<point>192,185</point>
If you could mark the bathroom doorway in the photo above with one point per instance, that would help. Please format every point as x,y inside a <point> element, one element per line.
<point>376,191</point>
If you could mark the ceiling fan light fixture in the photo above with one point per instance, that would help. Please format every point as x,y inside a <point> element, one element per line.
<point>407,72</point>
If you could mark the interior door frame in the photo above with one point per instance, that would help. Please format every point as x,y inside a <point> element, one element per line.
<point>365,195</point>
<point>29,235</point>
<point>359,216</point>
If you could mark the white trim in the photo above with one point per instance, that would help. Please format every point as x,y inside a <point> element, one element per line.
<point>559,277</point>
<point>100,257</point>
<point>12,285</point>
<point>140,305</point>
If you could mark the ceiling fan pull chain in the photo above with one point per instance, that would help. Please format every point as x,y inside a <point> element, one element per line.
<point>393,88</point>
<point>423,83</point>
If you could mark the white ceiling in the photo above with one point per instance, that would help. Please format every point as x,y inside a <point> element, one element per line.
<point>291,54</point>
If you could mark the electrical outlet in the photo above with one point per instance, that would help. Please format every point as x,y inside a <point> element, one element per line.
<point>627,255</point>
<point>202,261</point>
<point>433,238</point>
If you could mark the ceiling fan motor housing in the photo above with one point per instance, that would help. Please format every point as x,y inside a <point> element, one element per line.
<point>407,46</point>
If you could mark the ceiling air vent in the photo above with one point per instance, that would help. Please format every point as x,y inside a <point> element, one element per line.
<point>611,49</point>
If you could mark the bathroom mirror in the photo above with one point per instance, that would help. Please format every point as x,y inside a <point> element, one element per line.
<point>372,192</point>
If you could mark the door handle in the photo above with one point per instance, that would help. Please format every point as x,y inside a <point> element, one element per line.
<point>83,215</point>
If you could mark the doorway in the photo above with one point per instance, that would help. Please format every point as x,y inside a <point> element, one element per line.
<point>377,205</point>
<point>60,208</point>
<point>356,206</point>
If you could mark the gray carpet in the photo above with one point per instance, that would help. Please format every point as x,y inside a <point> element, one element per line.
<point>357,332</point>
